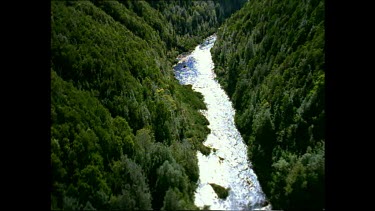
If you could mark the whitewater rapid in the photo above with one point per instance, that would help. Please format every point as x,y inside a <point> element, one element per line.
<point>227,165</point>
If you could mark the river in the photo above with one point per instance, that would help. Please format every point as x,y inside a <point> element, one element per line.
<point>227,165</point>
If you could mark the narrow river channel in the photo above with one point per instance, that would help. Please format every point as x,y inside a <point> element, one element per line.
<point>227,165</point>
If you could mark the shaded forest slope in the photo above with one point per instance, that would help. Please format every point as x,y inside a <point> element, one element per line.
<point>269,57</point>
<point>124,132</point>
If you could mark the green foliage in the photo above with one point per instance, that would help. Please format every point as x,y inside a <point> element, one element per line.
<point>221,192</point>
<point>299,178</point>
<point>186,158</point>
<point>124,132</point>
<point>170,175</point>
<point>175,200</point>
<point>130,189</point>
<point>171,200</point>
<point>269,57</point>
<point>193,21</point>
<point>71,204</point>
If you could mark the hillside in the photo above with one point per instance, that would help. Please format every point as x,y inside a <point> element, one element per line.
<point>269,57</point>
<point>124,132</point>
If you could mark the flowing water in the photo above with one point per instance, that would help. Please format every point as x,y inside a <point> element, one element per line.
<point>227,165</point>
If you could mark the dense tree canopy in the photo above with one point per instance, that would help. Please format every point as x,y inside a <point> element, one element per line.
<point>124,132</point>
<point>269,57</point>
<point>193,20</point>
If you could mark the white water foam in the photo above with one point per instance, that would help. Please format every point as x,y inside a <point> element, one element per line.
<point>227,165</point>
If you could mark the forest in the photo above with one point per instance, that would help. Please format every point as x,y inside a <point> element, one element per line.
<point>124,132</point>
<point>269,57</point>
